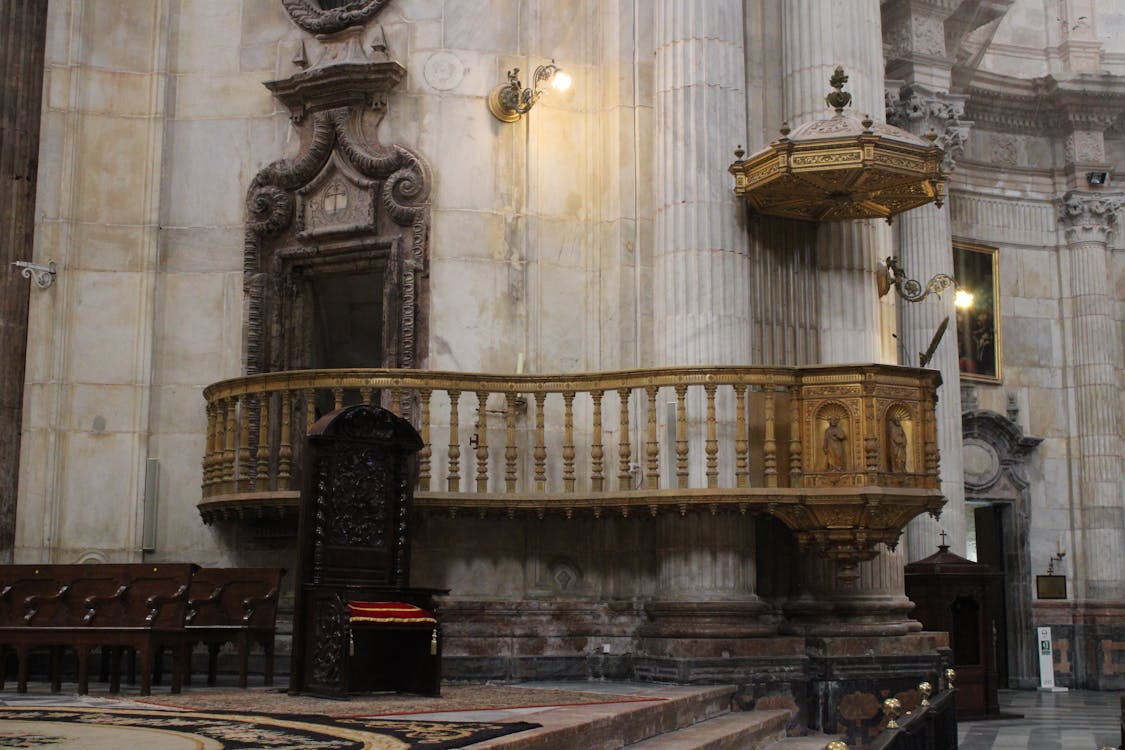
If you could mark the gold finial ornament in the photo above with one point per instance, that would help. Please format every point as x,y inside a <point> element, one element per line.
<point>839,98</point>
<point>836,745</point>
<point>892,708</point>
<point>926,689</point>
<point>950,676</point>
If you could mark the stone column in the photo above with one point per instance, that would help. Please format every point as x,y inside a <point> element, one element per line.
<point>925,248</point>
<point>1088,219</point>
<point>818,35</point>
<point>705,597</point>
<point>700,255</point>
<point>23,24</point>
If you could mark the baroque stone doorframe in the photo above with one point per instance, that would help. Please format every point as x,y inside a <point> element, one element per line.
<point>996,452</point>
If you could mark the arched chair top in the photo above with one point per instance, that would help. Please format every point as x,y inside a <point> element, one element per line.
<point>368,424</point>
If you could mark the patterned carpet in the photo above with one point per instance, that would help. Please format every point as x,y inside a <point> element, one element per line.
<point>453,698</point>
<point>73,728</point>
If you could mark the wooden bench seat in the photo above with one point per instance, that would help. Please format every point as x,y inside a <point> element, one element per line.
<point>82,607</point>
<point>233,605</point>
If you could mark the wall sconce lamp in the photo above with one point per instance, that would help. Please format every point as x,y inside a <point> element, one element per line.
<point>911,290</point>
<point>43,276</point>
<point>509,101</point>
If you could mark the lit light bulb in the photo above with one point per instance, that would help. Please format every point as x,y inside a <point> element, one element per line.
<point>560,81</point>
<point>963,299</point>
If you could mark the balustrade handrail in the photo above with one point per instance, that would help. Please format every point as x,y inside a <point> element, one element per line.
<point>513,383</point>
<point>518,440</point>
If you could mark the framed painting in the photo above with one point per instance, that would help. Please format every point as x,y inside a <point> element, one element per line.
<point>1050,587</point>
<point>976,268</point>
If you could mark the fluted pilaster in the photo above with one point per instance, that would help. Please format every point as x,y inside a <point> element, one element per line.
<point>702,299</point>
<point>1088,220</point>
<point>924,245</point>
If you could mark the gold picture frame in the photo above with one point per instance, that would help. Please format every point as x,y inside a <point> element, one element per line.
<point>977,270</point>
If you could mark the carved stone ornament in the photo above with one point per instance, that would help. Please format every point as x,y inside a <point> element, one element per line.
<point>326,16</point>
<point>392,181</point>
<point>1089,216</point>
<point>920,111</point>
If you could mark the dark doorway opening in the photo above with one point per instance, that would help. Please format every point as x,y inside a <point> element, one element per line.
<point>990,521</point>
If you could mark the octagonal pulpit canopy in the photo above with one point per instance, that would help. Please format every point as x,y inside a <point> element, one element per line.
<point>841,168</point>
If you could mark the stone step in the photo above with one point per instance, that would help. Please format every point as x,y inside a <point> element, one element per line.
<point>742,730</point>
<point>813,742</point>
<point>619,724</point>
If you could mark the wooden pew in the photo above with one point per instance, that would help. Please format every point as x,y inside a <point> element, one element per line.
<point>108,606</point>
<point>233,605</point>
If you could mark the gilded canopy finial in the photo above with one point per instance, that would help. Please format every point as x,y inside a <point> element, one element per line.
<point>839,98</point>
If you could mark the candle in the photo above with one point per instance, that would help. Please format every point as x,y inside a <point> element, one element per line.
<point>519,364</point>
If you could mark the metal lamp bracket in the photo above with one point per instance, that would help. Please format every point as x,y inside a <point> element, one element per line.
<point>42,275</point>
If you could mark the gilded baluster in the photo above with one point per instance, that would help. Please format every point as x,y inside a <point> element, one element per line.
<point>510,451</point>
<point>426,454</point>
<point>209,451</point>
<point>681,436</point>
<point>310,408</point>
<point>366,393</point>
<point>243,444</point>
<point>712,447</point>
<point>540,445</point>
<point>398,399</point>
<point>337,398</point>
<point>229,446</point>
<point>482,441</point>
<point>652,447</point>
<point>769,457</point>
<point>796,444</point>
<point>261,477</point>
<point>453,478</point>
<point>568,442</point>
<point>624,449</point>
<point>741,440</point>
<point>285,446</point>
<point>597,478</point>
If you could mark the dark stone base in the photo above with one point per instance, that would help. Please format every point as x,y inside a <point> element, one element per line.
<point>851,677</point>
<point>1088,644</point>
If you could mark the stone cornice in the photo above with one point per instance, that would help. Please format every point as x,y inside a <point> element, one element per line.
<point>1088,216</point>
<point>1050,105</point>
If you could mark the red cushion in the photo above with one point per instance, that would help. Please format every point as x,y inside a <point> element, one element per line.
<point>388,612</point>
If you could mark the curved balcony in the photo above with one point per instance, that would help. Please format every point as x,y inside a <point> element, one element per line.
<point>843,455</point>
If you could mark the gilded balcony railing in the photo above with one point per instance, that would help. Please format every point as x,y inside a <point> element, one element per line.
<point>844,455</point>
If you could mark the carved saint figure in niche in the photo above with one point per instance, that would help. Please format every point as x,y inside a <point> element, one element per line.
<point>896,443</point>
<point>834,445</point>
